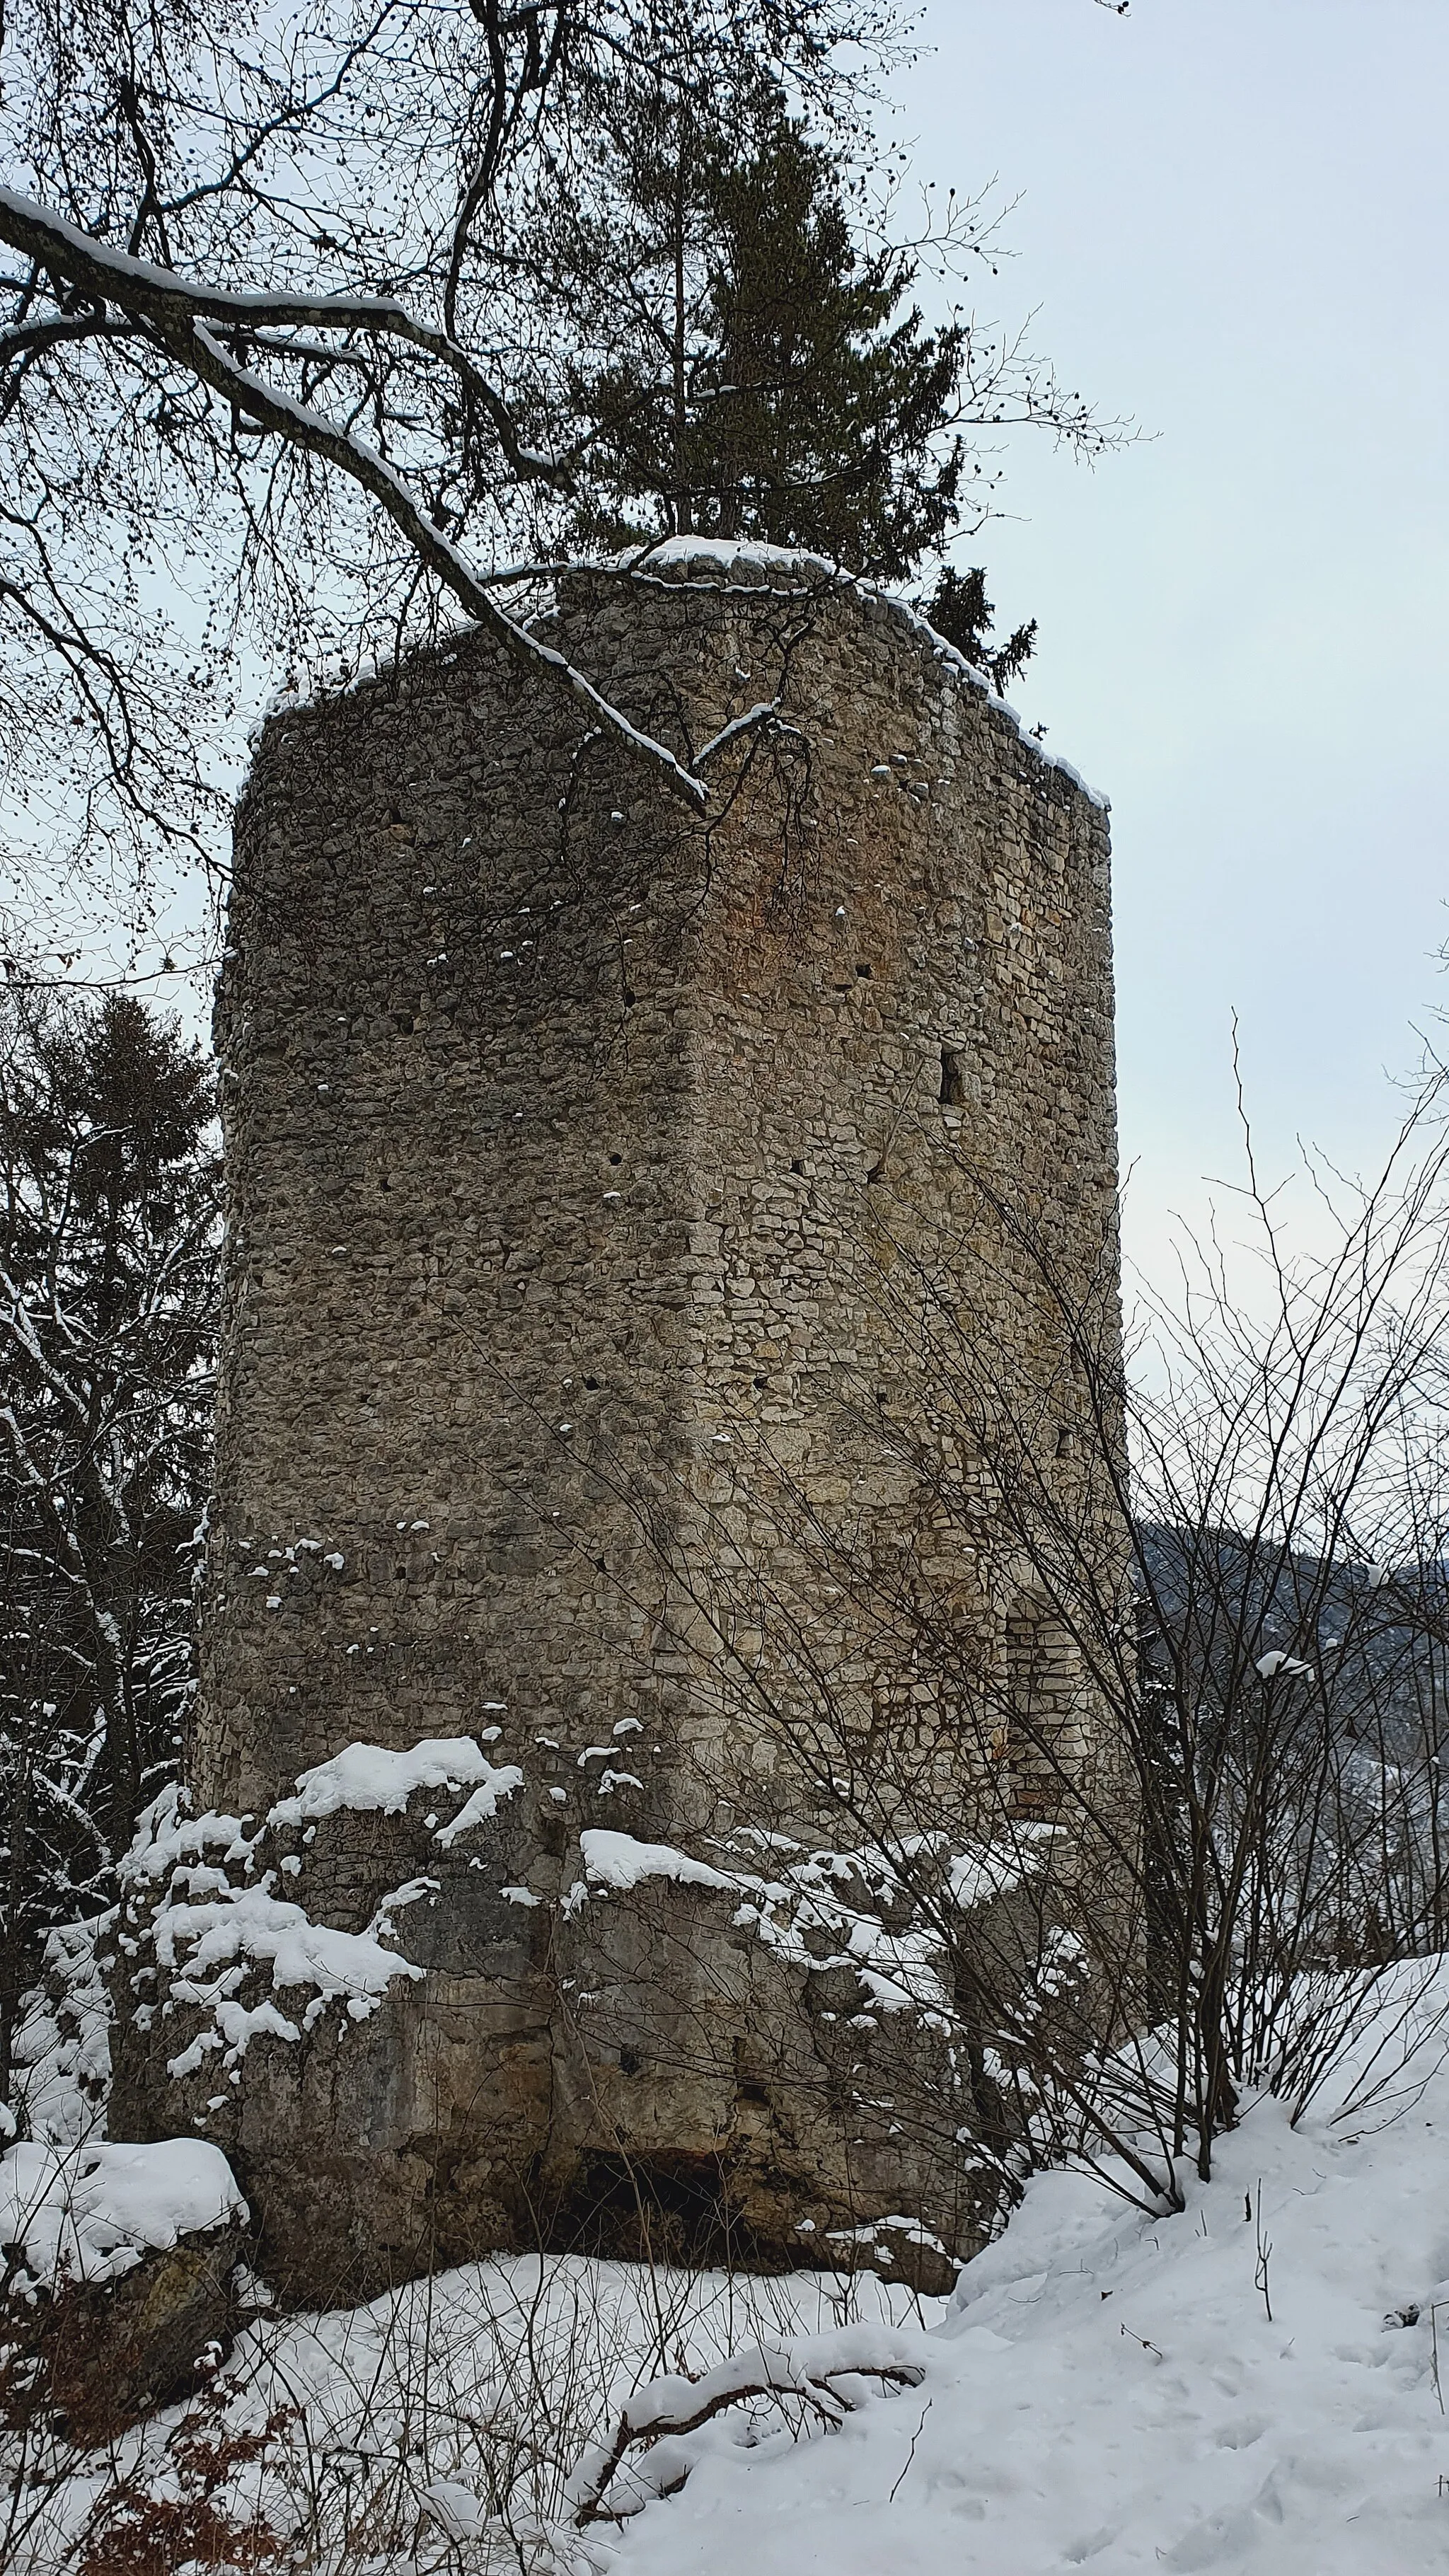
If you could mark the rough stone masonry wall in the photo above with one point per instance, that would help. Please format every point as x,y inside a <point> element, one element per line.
<point>589,1168</point>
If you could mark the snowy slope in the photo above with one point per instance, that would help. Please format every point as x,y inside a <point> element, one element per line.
<point>1112,2393</point>
<point>1252,2386</point>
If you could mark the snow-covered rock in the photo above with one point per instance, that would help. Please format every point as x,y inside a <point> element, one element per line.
<point>91,2213</point>
<point>120,2271</point>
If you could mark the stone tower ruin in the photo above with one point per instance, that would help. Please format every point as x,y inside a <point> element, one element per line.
<point>600,1175</point>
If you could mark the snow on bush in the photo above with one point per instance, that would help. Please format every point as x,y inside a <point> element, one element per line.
<point>828,2373</point>
<point>61,2054</point>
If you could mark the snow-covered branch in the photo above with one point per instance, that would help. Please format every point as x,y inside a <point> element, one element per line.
<point>340,446</point>
<point>141,292</point>
<point>829,2374</point>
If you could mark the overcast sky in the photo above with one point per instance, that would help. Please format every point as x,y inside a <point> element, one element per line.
<point>1233,220</point>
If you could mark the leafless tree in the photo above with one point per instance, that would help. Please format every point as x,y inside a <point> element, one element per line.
<point>291,337</point>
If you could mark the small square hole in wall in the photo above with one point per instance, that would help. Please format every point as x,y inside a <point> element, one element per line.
<point>953,1085</point>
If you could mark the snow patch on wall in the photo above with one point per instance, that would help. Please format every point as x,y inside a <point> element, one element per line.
<point>211,1932</point>
<point>620,1862</point>
<point>365,1778</point>
<point>824,1910</point>
<point>216,1924</point>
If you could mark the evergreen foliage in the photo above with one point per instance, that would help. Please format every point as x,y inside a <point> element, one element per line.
<point>770,385</point>
<point>959,609</point>
<point>108,1267</point>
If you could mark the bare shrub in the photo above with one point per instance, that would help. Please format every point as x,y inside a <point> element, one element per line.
<point>439,2426</point>
<point>1191,1681</point>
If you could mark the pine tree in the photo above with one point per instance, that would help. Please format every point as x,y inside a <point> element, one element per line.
<point>770,385</point>
<point>959,609</point>
<point>108,1267</point>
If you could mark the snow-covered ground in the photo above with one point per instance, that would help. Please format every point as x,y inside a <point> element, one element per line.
<point>1251,2385</point>
<point>374,2439</point>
